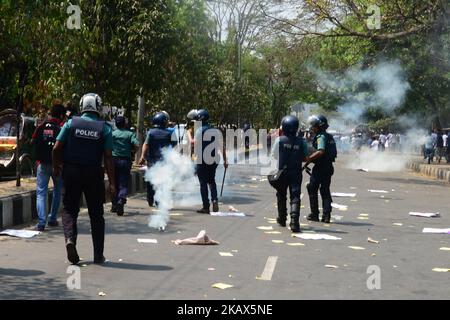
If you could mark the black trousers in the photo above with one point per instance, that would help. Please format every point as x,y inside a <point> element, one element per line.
<point>122,169</point>
<point>320,180</point>
<point>207,177</point>
<point>90,181</point>
<point>291,179</point>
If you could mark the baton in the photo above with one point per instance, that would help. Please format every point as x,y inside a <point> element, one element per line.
<point>308,169</point>
<point>223,181</point>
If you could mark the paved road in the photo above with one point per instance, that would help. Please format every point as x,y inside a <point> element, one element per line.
<point>36,268</point>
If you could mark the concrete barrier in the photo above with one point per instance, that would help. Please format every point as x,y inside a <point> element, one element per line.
<point>19,209</point>
<point>432,171</point>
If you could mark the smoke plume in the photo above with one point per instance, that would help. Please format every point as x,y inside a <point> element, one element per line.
<point>174,174</point>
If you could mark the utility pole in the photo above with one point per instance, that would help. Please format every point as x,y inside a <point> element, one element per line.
<point>22,81</point>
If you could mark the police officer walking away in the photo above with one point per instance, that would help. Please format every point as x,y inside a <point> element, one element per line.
<point>206,169</point>
<point>323,159</point>
<point>292,151</point>
<point>124,143</point>
<point>81,146</point>
<point>158,137</point>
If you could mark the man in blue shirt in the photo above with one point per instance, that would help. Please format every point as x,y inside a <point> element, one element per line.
<point>80,148</point>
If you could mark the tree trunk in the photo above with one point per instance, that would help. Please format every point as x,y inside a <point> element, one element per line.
<point>140,130</point>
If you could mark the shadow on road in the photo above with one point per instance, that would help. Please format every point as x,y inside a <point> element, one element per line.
<point>133,266</point>
<point>30,284</point>
<point>20,272</point>
<point>410,181</point>
<point>354,224</point>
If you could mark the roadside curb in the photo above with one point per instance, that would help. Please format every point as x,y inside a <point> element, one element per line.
<point>21,208</point>
<point>431,171</point>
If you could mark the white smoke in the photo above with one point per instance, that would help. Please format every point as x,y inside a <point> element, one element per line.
<point>382,86</point>
<point>174,174</point>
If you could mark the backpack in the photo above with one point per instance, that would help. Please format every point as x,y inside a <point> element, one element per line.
<point>45,141</point>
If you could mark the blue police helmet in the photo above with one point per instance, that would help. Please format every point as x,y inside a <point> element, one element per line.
<point>318,121</point>
<point>160,120</point>
<point>289,125</point>
<point>120,122</point>
<point>202,115</point>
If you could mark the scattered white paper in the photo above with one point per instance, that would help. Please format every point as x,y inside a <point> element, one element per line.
<point>378,191</point>
<point>226,254</point>
<point>227,214</point>
<point>425,214</point>
<point>273,232</point>
<point>435,230</point>
<point>372,240</point>
<point>363,169</point>
<point>314,236</point>
<point>331,266</point>
<point>441,269</point>
<point>222,286</point>
<point>295,244</point>
<point>278,241</point>
<point>147,240</point>
<point>340,207</point>
<point>356,248</point>
<point>20,233</point>
<point>344,195</point>
<point>264,228</point>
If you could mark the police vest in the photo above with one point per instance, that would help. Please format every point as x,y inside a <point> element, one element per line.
<point>45,141</point>
<point>290,153</point>
<point>85,142</point>
<point>330,148</point>
<point>158,139</point>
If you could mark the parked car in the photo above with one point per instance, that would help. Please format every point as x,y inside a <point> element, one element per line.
<point>8,144</point>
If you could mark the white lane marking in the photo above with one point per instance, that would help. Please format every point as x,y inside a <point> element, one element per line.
<point>269,268</point>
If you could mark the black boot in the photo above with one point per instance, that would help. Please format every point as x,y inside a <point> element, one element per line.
<point>326,216</point>
<point>119,207</point>
<point>204,210</point>
<point>72,254</point>
<point>314,204</point>
<point>282,213</point>
<point>215,205</point>
<point>295,216</point>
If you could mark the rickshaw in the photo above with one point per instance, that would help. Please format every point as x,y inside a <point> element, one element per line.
<point>8,144</point>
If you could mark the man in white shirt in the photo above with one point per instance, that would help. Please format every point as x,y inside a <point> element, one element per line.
<point>446,148</point>
<point>382,140</point>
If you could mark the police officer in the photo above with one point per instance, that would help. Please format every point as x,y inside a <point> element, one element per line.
<point>158,137</point>
<point>81,146</point>
<point>207,161</point>
<point>323,159</point>
<point>292,151</point>
<point>124,143</point>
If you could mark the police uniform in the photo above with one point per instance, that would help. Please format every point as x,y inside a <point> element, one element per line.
<point>321,178</point>
<point>292,152</point>
<point>157,139</point>
<point>85,139</point>
<point>206,168</point>
<point>123,141</point>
